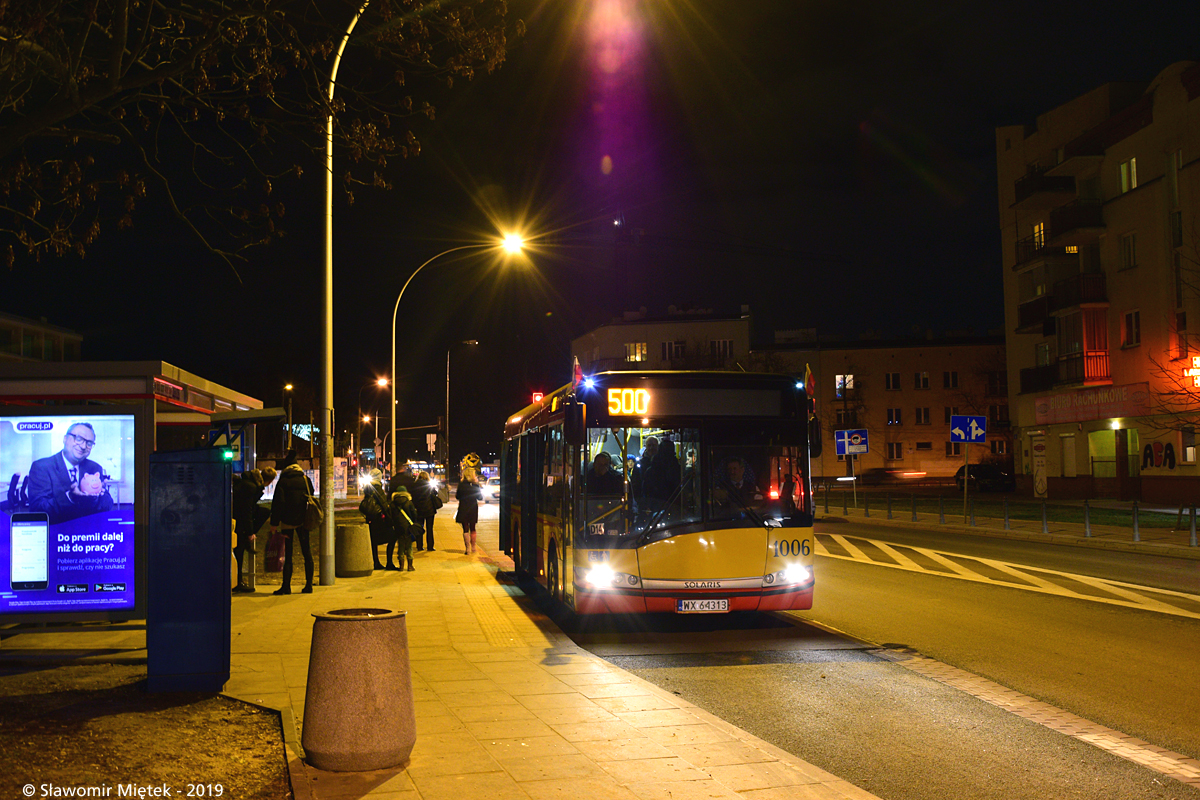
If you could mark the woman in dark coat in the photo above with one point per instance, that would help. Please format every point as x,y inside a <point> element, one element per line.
<point>469,494</point>
<point>377,511</point>
<point>287,511</point>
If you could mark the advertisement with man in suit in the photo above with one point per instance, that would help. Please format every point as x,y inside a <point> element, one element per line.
<point>68,484</point>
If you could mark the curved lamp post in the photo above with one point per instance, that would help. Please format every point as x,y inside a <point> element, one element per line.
<point>326,537</point>
<point>512,244</point>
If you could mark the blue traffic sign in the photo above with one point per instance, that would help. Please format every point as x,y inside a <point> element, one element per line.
<point>851,443</point>
<point>965,428</point>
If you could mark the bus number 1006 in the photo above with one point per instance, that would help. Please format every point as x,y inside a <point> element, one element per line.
<point>792,547</point>
<point>628,401</point>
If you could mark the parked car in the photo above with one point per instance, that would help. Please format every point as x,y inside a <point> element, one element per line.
<point>877,476</point>
<point>986,478</point>
<point>491,492</point>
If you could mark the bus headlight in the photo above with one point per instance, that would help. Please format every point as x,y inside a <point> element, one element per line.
<point>604,577</point>
<point>792,574</point>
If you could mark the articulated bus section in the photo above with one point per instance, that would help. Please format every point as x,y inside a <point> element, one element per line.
<point>693,498</point>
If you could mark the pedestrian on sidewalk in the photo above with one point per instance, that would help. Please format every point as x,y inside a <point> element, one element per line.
<point>404,515</point>
<point>287,512</point>
<point>425,498</point>
<point>469,494</point>
<point>247,491</point>
<point>377,511</point>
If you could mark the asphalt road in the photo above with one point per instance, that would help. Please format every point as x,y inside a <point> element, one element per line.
<point>900,735</point>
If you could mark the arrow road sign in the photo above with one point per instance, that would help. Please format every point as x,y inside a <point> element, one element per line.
<point>965,428</point>
<point>850,443</point>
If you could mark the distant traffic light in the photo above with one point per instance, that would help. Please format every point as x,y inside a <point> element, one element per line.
<point>537,397</point>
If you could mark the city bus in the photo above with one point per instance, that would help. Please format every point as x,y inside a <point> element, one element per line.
<point>710,509</point>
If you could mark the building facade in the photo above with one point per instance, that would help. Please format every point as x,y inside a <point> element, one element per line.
<point>1098,224</point>
<point>695,339</point>
<point>23,339</point>
<point>903,393</point>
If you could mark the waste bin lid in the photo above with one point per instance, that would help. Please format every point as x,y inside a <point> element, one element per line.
<point>360,614</point>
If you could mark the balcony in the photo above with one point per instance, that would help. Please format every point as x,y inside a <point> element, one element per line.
<point>1033,249</point>
<point>1089,368</point>
<point>1083,289</point>
<point>1038,379</point>
<point>1032,315</point>
<point>1035,189</point>
<point>1076,224</point>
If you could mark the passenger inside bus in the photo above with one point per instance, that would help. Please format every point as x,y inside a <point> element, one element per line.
<point>601,479</point>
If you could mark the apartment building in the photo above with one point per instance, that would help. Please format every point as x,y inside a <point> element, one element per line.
<point>903,393</point>
<point>1098,221</point>
<point>680,339</point>
<point>23,339</point>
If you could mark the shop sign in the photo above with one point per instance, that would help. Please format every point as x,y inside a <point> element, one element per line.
<point>1098,402</point>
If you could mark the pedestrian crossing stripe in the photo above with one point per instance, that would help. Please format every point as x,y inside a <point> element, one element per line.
<point>1013,576</point>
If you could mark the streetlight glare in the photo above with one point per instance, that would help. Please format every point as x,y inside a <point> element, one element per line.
<point>288,387</point>
<point>513,242</point>
<point>382,382</point>
<point>366,418</point>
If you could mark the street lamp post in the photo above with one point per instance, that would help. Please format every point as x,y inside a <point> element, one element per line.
<point>326,548</point>
<point>447,420</point>
<point>379,382</point>
<point>512,244</point>
<point>288,446</point>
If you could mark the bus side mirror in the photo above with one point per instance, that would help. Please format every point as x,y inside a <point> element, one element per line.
<point>575,423</point>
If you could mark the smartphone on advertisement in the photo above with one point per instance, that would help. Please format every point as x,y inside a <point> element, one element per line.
<point>30,551</point>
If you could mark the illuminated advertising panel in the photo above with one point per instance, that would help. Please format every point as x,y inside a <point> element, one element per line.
<point>67,532</point>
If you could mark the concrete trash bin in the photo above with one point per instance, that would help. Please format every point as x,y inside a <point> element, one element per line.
<point>358,708</point>
<point>352,551</point>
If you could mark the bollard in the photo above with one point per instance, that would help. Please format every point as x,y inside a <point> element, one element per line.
<point>845,508</point>
<point>1137,536</point>
<point>1045,525</point>
<point>358,707</point>
<point>866,504</point>
<point>1192,538</point>
<point>941,511</point>
<point>1007,526</point>
<point>889,504</point>
<point>352,549</point>
<point>972,511</point>
<point>914,519</point>
<point>827,498</point>
<point>1087,520</point>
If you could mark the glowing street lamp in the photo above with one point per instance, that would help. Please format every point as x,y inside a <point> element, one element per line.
<point>511,243</point>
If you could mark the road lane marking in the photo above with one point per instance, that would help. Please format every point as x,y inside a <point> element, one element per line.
<point>1165,762</point>
<point>1119,593</point>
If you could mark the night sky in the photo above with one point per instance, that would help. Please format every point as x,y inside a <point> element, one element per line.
<point>831,165</point>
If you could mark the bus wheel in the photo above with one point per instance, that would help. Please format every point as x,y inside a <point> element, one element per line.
<point>552,575</point>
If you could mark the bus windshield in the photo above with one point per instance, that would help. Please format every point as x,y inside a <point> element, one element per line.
<point>643,484</point>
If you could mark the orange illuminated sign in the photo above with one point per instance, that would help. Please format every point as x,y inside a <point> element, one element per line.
<point>628,402</point>
<point>1194,372</point>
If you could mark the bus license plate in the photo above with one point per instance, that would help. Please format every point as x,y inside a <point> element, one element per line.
<point>701,606</point>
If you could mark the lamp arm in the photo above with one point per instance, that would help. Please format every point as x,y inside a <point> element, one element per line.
<point>395,312</point>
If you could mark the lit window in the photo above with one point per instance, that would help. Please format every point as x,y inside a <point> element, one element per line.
<point>1128,175</point>
<point>635,351</point>
<point>1189,444</point>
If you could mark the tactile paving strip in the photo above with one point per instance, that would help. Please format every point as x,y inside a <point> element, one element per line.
<point>1173,765</point>
<point>495,625</point>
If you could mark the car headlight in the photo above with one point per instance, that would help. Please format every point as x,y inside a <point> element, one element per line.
<point>604,577</point>
<point>792,574</point>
